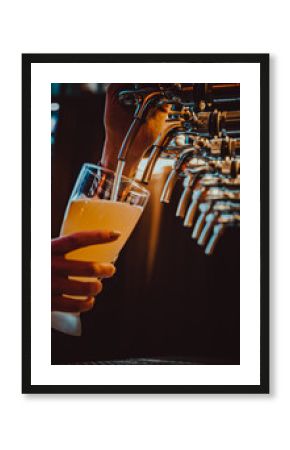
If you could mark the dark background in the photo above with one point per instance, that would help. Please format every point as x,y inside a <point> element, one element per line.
<point>183,305</point>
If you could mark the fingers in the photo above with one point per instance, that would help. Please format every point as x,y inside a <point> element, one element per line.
<point>62,285</point>
<point>82,239</point>
<point>59,303</point>
<point>65,267</point>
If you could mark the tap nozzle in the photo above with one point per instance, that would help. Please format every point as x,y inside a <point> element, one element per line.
<point>157,149</point>
<point>195,171</point>
<point>186,195</point>
<point>178,171</point>
<point>153,157</point>
<point>204,210</point>
<point>218,231</point>
<point>210,221</point>
<point>193,207</point>
<point>223,222</point>
<point>169,186</point>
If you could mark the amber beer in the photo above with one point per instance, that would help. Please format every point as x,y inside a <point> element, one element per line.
<point>89,209</point>
<point>96,214</point>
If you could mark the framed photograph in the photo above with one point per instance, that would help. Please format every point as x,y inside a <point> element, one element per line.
<point>145,231</point>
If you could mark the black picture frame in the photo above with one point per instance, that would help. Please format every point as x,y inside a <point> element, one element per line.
<point>263,60</point>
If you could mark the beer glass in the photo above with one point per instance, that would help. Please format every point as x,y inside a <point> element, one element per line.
<point>90,208</point>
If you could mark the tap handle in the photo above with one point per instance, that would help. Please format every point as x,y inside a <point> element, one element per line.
<point>215,237</point>
<point>169,186</point>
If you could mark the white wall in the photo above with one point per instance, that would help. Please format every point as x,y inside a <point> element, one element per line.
<point>136,422</point>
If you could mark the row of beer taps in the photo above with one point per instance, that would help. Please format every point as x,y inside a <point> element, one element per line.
<point>210,200</point>
<point>203,140</point>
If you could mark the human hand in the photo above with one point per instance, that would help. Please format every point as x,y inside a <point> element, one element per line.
<point>118,119</point>
<point>62,269</point>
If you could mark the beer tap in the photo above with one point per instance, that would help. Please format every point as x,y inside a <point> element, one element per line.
<point>212,185</point>
<point>178,171</point>
<point>215,123</point>
<point>223,199</point>
<point>210,218</point>
<point>210,150</point>
<point>197,197</point>
<point>204,209</point>
<point>202,138</point>
<point>223,222</point>
<point>143,99</point>
<point>157,149</point>
<point>177,120</point>
<point>219,206</point>
<point>189,184</point>
<point>146,96</point>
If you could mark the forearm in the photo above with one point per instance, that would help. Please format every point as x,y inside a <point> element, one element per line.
<point>110,154</point>
<point>110,158</point>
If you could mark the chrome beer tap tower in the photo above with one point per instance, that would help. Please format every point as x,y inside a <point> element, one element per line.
<point>203,142</point>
